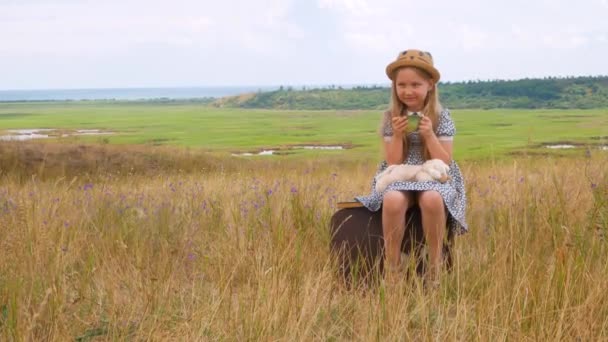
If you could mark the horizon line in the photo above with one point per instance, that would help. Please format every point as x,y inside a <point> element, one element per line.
<point>295,85</point>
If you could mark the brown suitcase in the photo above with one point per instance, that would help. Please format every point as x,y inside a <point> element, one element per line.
<point>357,242</point>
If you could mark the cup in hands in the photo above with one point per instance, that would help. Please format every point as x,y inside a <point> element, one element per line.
<point>413,120</point>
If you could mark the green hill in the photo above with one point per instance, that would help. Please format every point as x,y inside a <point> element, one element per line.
<point>555,93</point>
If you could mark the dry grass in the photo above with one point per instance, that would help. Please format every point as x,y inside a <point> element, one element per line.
<point>51,160</point>
<point>224,254</point>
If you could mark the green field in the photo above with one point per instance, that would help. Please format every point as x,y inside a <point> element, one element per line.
<point>122,240</point>
<point>480,133</point>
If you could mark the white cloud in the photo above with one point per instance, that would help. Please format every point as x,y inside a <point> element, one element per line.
<point>565,41</point>
<point>52,43</point>
<point>78,27</point>
<point>83,29</point>
<point>471,38</point>
<point>355,7</point>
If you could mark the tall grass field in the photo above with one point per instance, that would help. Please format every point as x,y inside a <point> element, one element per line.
<point>157,232</point>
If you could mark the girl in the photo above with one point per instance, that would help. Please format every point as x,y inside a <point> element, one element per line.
<point>414,91</point>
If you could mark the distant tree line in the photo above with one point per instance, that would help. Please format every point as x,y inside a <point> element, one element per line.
<point>551,92</point>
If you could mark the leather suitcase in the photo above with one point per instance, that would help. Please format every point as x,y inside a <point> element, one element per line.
<point>357,242</point>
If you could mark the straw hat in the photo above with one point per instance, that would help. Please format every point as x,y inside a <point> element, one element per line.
<point>413,58</point>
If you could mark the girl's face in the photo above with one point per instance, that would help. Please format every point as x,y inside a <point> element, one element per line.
<point>412,88</point>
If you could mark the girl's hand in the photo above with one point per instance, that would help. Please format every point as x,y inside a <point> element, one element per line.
<point>425,128</point>
<point>399,124</point>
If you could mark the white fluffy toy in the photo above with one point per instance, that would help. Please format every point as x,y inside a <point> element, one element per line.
<point>431,170</point>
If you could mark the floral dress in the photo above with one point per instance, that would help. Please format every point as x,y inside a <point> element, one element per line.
<point>453,191</point>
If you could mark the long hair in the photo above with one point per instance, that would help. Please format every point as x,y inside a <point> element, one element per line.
<point>432,107</point>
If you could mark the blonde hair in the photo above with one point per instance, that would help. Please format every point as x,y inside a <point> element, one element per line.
<point>432,106</point>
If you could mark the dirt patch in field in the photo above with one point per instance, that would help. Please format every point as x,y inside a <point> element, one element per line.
<point>566,116</point>
<point>14,115</point>
<point>290,149</point>
<point>348,113</point>
<point>570,145</point>
<point>52,159</point>
<point>560,144</point>
<point>303,128</point>
<point>315,146</point>
<point>159,141</point>
<point>574,143</point>
<point>45,133</point>
<point>531,153</point>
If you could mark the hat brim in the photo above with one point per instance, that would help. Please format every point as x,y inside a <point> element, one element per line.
<point>400,63</point>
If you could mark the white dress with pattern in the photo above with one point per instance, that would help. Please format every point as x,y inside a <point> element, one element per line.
<point>452,192</point>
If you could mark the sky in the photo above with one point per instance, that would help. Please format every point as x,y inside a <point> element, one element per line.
<point>59,44</point>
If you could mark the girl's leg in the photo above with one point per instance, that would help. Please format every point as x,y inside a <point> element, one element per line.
<point>433,213</point>
<point>394,206</point>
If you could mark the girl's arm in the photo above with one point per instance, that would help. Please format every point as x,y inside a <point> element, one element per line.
<point>393,145</point>
<point>437,149</point>
<point>393,150</point>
